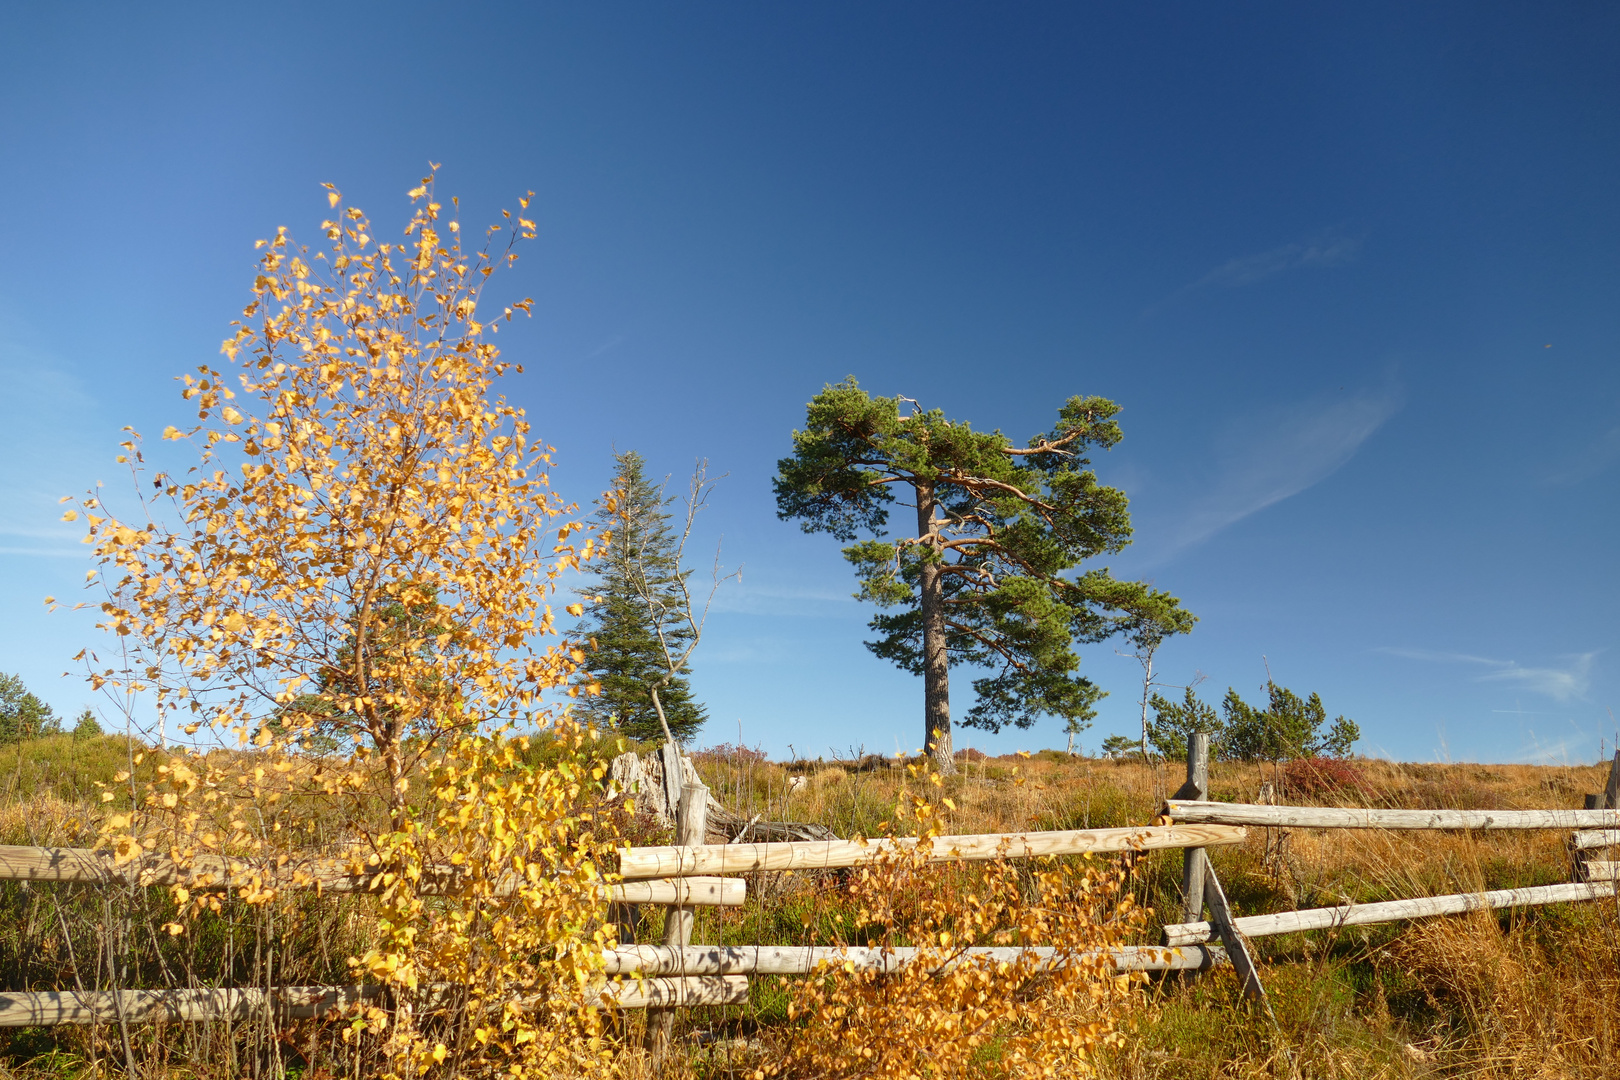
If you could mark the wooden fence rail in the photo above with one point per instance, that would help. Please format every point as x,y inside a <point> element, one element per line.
<point>803,960</point>
<point>85,866</point>
<point>49,1008</point>
<point>1288,922</point>
<point>655,862</point>
<point>1343,817</point>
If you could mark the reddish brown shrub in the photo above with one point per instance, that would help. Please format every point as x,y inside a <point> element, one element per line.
<point>1321,776</point>
<point>736,755</point>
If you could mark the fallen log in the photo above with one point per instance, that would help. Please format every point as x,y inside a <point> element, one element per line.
<point>1339,817</point>
<point>745,858</point>
<point>1289,922</point>
<point>802,960</point>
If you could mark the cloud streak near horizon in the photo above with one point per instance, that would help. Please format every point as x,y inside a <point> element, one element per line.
<point>1560,684</point>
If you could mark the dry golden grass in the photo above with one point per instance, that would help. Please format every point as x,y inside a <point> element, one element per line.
<point>1508,994</point>
<point>1527,993</point>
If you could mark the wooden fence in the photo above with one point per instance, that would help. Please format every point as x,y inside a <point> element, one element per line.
<point>690,874</point>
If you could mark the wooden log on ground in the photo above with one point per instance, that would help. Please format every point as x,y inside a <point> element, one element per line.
<point>802,960</point>
<point>649,862</point>
<point>1338,817</point>
<point>85,866</point>
<point>1288,922</point>
<point>1595,838</point>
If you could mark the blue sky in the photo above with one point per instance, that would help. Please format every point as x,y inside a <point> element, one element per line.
<point>1352,272</point>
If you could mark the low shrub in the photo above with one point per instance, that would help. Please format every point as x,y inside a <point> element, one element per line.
<point>1314,776</point>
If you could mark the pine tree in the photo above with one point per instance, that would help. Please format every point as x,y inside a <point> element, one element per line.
<point>86,727</point>
<point>625,657</point>
<point>988,577</point>
<point>22,715</point>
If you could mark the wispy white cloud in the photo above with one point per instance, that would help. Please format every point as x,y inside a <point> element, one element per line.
<point>1595,458</point>
<point>607,346</point>
<point>1562,684</point>
<point>1327,250</point>
<point>1269,459</point>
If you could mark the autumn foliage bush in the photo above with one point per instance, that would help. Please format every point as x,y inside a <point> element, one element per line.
<point>951,1012</point>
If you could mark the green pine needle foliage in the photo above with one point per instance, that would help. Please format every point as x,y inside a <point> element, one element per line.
<point>1014,526</point>
<point>22,715</point>
<point>624,656</point>
<point>1288,727</point>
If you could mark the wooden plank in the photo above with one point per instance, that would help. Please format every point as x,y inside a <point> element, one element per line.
<point>1289,922</point>
<point>648,862</point>
<point>683,993</point>
<point>1601,870</point>
<point>1336,817</point>
<point>85,866</point>
<point>50,1008</point>
<point>1237,950</point>
<point>802,960</point>
<point>175,1006</point>
<point>689,892</point>
<point>1595,838</point>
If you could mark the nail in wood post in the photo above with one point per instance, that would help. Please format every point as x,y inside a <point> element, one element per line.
<point>1237,949</point>
<point>691,829</point>
<point>1194,860</point>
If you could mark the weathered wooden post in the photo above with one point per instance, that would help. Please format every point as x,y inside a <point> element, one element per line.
<point>1194,859</point>
<point>1607,799</point>
<point>691,829</point>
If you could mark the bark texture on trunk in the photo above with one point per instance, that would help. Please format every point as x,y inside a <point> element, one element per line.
<point>936,662</point>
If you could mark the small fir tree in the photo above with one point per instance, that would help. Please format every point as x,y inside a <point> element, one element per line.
<point>629,640</point>
<point>1289,727</point>
<point>86,726</point>
<point>1174,721</point>
<point>22,715</point>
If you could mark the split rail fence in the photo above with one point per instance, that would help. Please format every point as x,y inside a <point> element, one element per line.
<point>691,874</point>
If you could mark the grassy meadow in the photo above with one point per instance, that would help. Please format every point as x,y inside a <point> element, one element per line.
<point>1526,993</point>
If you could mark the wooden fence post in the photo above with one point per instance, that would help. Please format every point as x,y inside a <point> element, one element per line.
<point>1607,799</point>
<point>1237,950</point>
<point>1194,859</point>
<point>691,829</point>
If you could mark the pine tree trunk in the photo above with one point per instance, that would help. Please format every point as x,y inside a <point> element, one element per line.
<point>936,663</point>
